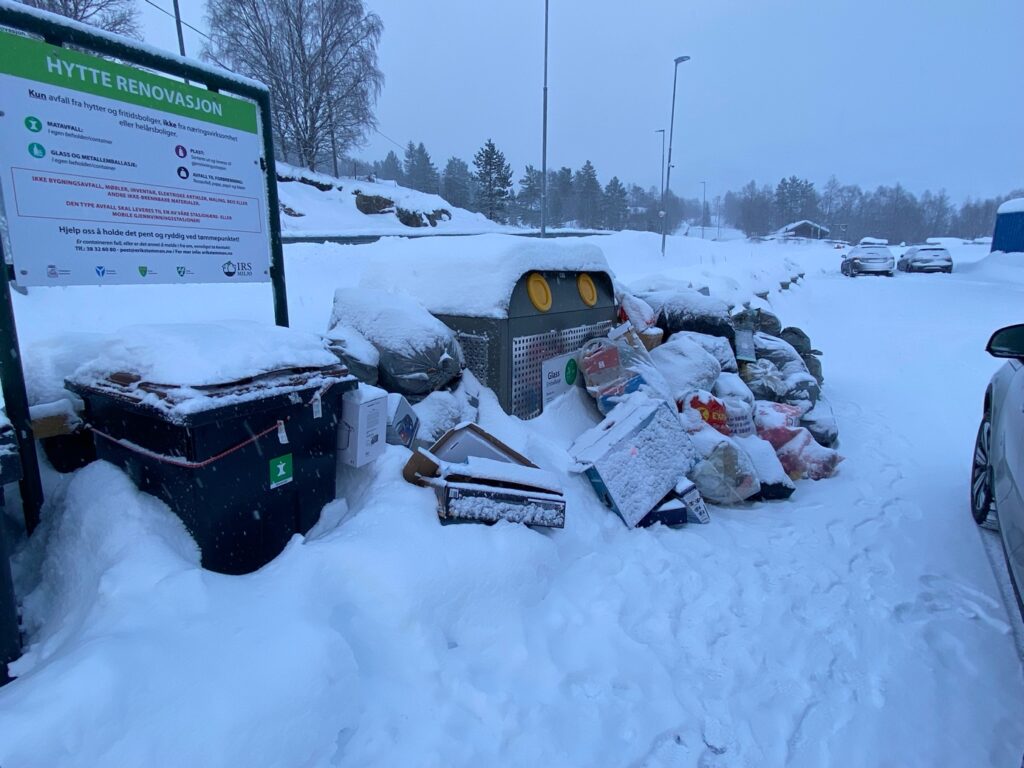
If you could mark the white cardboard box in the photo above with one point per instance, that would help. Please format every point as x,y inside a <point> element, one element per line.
<point>364,422</point>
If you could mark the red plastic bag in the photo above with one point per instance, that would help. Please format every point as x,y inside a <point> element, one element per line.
<point>711,410</point>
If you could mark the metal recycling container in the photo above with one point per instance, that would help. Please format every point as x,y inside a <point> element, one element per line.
<point>550,313</point>
<point>245,466</point>
<point>10,636</point>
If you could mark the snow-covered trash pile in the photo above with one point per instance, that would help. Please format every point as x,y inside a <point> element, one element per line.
<point>416,353</point>
<point>725,440</point>
<point>478,478</point>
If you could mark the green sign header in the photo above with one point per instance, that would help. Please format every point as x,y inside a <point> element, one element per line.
<point>51,65</point>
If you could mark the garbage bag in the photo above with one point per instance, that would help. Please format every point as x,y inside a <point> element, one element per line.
<point>684,309</point>
<point>418,353</point>
<point>760,320</point>
<point>763,379</point>
<point>739,417</point>
<point>711,410</point>
<point>618,365</point>
<point>716,346</point>
<point>821,423</point>
<point>355,351</point>
<point>799,340</point>
<point>775,483</point>
<point>685,366</point>
<point>639,313</point>
<point>813,364</point>
<point>804,457</point>
<point>730,385</point>
<point>724,474</point>
<point>800,386</point>
<point>776,422</point>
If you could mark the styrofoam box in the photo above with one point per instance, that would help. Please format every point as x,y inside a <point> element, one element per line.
<point>364,423</point>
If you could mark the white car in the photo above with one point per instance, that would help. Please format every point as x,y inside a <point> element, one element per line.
<point>868,260</point>
<point>926,258</point>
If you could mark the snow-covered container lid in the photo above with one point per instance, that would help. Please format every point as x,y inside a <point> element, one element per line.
<point>199,355</point>
<point>1012,206</point>
<point>476,278</point>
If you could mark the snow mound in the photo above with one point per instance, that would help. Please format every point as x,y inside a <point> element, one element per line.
<point>315,204</point>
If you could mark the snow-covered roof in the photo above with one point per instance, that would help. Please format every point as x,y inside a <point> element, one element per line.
<point>477,281</point>
<point>795,224</point>
<point>1012,206</point>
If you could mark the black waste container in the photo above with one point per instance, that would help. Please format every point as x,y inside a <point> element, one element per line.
<point>10,637</point>
<point>245,465</point>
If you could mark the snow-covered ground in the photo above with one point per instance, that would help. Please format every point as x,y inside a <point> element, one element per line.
<point>857,624</point>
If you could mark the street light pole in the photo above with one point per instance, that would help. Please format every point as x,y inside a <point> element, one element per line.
<point>668,170</point>
<point>177,23</point>
<point>544,141</point>
<point>703,209</point>
<point>662,177</point>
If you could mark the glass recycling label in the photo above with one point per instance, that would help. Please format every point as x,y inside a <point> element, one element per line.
<point>112,174</point>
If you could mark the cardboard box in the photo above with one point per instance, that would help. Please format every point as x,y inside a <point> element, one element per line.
<point>403,423</point>
<point>635,457</point>
<point>684,504</point>
<point>362,433</point>
<point>480,479</point>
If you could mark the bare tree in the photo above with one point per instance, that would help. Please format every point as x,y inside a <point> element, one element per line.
<point>319,58</point>
<point>118,16</point>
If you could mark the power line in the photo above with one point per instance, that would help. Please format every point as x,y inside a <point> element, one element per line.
<point>183,22</point>
<point>377,131</point>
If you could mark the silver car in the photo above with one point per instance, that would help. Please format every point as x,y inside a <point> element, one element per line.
<point>997,476</point>
<point>926,258</point>
<point>868,260</point>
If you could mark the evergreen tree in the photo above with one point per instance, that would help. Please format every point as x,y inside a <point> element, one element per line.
<point>529,196</point>
<point>389,168</point>
<point>494,181</point>
<point>616,208</point>
<point>559,196</point>
<point>457,183</point>
<point>420,172</point>
<point>588,196</point>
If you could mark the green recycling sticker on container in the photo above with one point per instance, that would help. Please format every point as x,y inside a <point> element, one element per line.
<point>281,471</point>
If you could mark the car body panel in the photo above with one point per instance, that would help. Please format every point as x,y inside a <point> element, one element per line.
<point>1007,461</point>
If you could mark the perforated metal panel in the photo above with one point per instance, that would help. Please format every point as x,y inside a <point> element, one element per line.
<point>530,352</point>
<point>475,350</point>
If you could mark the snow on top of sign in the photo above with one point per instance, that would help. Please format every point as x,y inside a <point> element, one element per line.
<point>151,50</point>
<point>1012,206</point>
<point>204,354</point>
<point>476,277</point>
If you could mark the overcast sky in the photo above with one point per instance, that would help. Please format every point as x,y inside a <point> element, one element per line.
<point>926,92</point>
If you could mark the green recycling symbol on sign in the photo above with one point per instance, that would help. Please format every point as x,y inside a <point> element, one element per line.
<point>34,124</point>
<point>37,150</point>
<point>281,471</point>
<point>571,370</point>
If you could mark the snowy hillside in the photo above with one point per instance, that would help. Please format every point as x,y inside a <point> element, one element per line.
<point>315,204</point>
<point>836,628</point>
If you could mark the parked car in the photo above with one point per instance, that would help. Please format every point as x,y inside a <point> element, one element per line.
<point>926,258</point>
<point>868,260</point>
<point>997,475</point>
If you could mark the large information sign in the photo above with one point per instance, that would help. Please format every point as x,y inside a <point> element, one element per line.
<point>111,174</point>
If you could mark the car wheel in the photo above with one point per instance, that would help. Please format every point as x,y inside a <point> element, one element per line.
<point>890,273</point>
<point>981,473</point>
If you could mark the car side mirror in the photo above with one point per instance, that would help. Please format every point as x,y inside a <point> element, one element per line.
<point>1007,342</point>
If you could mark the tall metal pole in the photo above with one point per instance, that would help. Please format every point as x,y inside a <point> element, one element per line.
<point>668,170</point>
<point>544,144</point>
<point>662,179</point>
<point>177,23</point>
<point>703,209</point>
